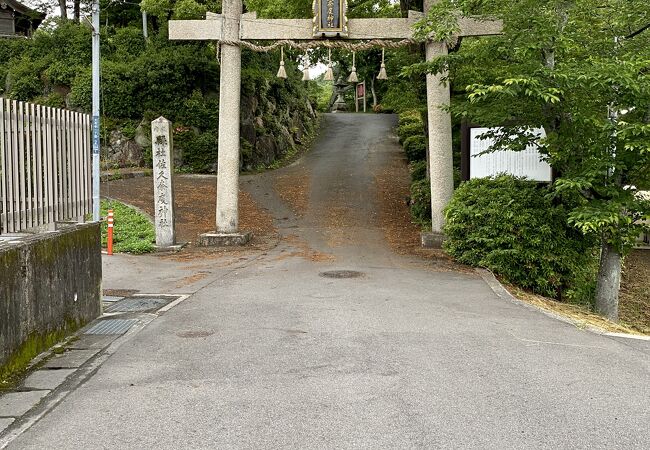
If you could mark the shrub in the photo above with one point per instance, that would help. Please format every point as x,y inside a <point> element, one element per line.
<point>410,129</point>
<point>127,42</point>
<point>408,117</point>
<point>118,90</point>
<point>509,226</point>
<point>418,170</point>
<point>421,202</point>
<point>199,150</point>
<point>415,148</point>
<point>23,81</point>
<point>53,99</point>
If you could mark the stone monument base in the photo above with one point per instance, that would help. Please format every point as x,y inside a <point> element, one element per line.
<point>223,239</point>
<point>169,248</point>
<point>431,239</point>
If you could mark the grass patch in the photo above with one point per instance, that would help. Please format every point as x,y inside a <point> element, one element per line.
<point>133,231</point>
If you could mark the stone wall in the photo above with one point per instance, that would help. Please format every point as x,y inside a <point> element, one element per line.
<point>50,283</point>
<point>268,132</point>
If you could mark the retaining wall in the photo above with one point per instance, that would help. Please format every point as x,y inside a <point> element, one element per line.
<point>50,283</point>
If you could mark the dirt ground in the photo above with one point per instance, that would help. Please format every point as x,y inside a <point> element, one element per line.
<point>195,205</point>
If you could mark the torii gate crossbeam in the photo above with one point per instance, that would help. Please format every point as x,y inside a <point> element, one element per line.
<point>233,26</point>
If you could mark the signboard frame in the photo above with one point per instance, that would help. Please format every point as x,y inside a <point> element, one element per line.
<point>466,154</point>
<point>339,10</point>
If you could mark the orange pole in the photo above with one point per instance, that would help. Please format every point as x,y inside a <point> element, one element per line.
<point>109,237</point>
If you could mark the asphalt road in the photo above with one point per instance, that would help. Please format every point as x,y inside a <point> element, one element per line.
<point>400,357</point>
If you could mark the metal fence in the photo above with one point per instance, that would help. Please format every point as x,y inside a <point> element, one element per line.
<point>45,157</point>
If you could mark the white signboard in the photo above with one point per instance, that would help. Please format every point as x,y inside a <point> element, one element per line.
<point>526,163</point>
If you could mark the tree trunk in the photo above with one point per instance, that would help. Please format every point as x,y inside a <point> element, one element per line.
<point>64,9</point>
<point>374,94</point>
<point>77,10</point>
<point>609,282</point>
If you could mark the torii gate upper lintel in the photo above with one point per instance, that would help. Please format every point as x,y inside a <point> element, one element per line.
<point>232,26</point>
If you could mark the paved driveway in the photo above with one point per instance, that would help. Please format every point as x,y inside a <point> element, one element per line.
<point>269,353</point>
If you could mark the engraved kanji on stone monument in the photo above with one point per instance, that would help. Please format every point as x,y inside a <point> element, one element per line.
<point>162,145</point>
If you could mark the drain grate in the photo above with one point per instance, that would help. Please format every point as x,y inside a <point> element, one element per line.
<point>139,304</point>
<point>111,326</point>
<point>341,274</point>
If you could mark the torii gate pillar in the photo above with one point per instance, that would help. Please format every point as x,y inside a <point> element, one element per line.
<point>441,167</point>
<point>229,106</point>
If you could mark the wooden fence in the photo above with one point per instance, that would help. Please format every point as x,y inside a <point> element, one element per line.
<point>45,157</point>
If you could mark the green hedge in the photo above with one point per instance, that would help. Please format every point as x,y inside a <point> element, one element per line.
<point>415,148</point>
<point>510,226</point>
<point>418,170</point>
<point>408,130</point>
<point>421,202</point>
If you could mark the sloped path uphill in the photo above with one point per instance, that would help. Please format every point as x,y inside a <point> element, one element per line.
<point>331,339</point>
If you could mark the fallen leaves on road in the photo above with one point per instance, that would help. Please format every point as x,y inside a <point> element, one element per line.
<point>393,184</point>
<point>293,188</point>
<point>303,250</point>
<point>195,200</point>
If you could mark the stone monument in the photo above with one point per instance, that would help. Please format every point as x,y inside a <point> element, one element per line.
<point>163,187</point>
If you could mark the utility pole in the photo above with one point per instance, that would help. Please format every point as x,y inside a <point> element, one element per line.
<point>145,31</point>
<point>95,112</point>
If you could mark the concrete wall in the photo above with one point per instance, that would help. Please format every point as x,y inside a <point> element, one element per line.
<point>49,283</point>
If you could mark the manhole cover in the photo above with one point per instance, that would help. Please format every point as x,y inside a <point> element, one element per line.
<point>341,274</point>
<point>138,304</point>
<point>111,326</point>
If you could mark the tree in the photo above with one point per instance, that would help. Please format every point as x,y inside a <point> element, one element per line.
<point>580,69</point>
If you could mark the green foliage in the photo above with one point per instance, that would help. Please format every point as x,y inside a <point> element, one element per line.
<point>421,202</point>
<point>439,24</point>
<point>23,80</point>
<point>142,80</point>
<point>511,227</point>
<point>127,42</point>
<point>189,9</point>
<point>158,8</point>
<point>118,90</point>
<point>418,170</point>
<point>54,100</point>
<point>133,231</point>
<point>409,129</point>
<point>180,9</point>
<point>199,111</point>
<point>408,117</point>
<point>415,147</point>
<point>582,72</point>
<point>402,93</point>
<point>199,150</point>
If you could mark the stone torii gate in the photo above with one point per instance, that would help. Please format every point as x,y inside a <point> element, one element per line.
<point>232,26</point>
